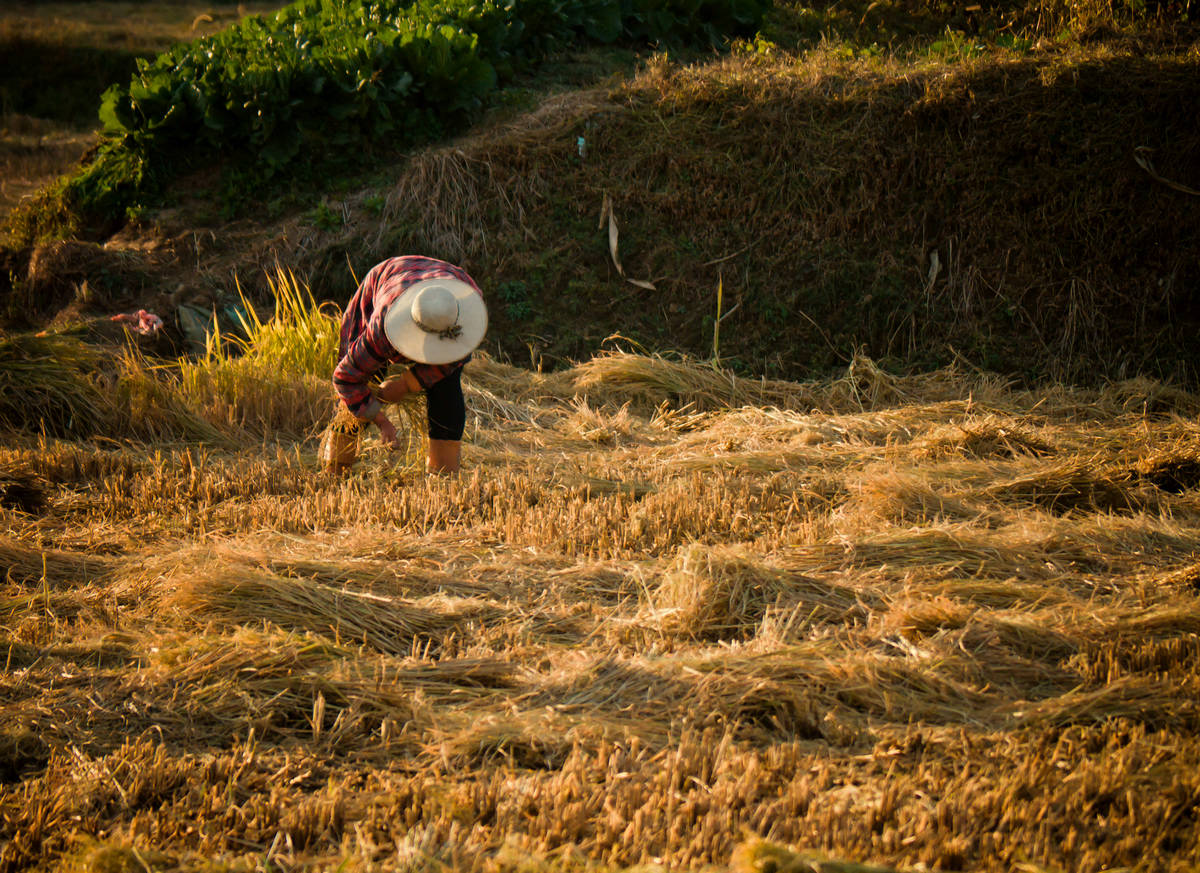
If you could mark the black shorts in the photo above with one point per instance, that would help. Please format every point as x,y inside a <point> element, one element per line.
<point>445,408</point>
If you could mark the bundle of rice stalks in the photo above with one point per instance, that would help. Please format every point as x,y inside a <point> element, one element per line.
<point>1168,620</point>
<point>513,383</point>
<point>280,682</point>
<point>50,384</point>
<point>1036,636</point>
<point>1154,703</point>
<point>1174,471</point>
<point>866,386</point>
<point>1144,396</point>
<point>916,618</point>
<point>947,690</point>
<point>902,498</point>
<point>409,418</point>
<point>488,410</point>
<point>20,491</point>
<point>596,426</point>
<point>944,549</point>
<point>998,593</point>
<point>792,709</point>
<point>244,596</point>
<point>989,438</point>
<point>1185,578</point>
<point>1077,484</point>
<point>646,381</point>
<point>26,565</point>
<point>723,593</point>
<point>531,741</point>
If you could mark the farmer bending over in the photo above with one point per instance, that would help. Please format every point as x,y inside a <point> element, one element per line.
<point>409,310</point>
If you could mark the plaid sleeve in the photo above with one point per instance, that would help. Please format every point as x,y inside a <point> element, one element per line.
<point>362,361</point>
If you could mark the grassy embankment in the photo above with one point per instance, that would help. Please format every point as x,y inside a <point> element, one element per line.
<point>912,183</point>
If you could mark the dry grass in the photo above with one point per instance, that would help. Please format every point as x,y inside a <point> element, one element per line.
<point>662,616</point>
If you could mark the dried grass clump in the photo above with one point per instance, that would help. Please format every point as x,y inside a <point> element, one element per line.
<point>902,498</point>
<point>1075,485</point>
<point>27,565</point>
<point>1175,471</point>
<point>534,741</point>
<point>298,685</point>
<point>647,381</point>
<point>245,596</point>
<point>452,195</point>
<point>988,438</point>
<point>1046,636</point>
<point>1144,396</point>
<point>1153,703</point>
<point>52,385</point>
<point>1186,578</point>
<point>723,592</point>
<point>108,858</point>
<point>914,619</point>
<point>598,426</point>
<point>20,490</point>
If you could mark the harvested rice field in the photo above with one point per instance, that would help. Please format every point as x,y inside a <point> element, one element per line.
<point>664,618</point>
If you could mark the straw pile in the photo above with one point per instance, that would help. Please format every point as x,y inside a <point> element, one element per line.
<point>389,625</point>
<point>49,384</point>
<point>622,633</point>
<point>724,593</point>
<point>31,566</point>
<point>21,491</point>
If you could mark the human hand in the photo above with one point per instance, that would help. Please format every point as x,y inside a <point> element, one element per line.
<point>387,431</point>
<point>393,391</point>
<point>396,389</point>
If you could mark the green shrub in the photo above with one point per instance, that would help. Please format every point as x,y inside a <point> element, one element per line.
<point>321,77</point>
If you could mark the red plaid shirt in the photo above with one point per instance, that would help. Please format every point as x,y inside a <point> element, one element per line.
<point>364,349</point>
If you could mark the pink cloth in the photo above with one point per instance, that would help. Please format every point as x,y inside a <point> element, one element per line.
<point>145,323</point>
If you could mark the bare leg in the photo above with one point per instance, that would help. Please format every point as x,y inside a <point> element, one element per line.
<point>444,455</point>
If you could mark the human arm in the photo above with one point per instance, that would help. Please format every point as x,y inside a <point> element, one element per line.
<point>363,359</point>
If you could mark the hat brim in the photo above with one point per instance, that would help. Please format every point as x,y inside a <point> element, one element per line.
<point>407,337</point>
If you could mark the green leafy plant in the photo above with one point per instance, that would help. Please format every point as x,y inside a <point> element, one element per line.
<point>326,217</point>
<point>276,93</point>
<point>515,295</point>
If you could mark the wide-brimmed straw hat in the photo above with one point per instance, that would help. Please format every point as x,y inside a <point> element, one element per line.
<point>436,321</point>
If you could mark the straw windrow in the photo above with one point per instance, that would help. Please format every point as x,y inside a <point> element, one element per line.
<point>635,627</point>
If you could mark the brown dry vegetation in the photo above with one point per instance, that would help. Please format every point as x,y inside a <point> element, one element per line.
<point>664,616</point>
